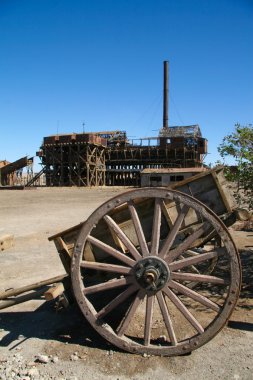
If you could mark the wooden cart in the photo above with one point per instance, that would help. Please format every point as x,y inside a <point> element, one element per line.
<point>155,270</point>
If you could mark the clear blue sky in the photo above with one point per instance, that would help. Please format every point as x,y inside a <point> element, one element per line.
<point>65,62</point>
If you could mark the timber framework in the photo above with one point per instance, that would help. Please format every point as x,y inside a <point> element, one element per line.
<point>91,160</point>
<point>73,160</point>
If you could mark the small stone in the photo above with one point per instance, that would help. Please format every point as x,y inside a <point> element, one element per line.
<point>21,337</point>
<point>22,372</point>
<point>74,357</point>
<point>18,358</point>
<point>145,355</point>
<point>31,364</point>
<point>33,372</point>
<point>55,359</point>
<point>42,359</point>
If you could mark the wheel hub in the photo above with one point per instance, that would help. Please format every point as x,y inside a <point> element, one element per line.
<point>152,273</point>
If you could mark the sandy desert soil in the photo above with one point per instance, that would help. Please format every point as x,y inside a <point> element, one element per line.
<point>71,347</point>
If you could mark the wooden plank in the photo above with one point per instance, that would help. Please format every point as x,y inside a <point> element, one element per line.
<point>61,246</point>
<point>54,292</point>
<point>64,253</point>
<point>77,228</point>
<point>223,196</point>
<point>178,185</point>
<point>6,241</point>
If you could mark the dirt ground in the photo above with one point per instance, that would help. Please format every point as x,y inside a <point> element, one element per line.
<point>74,350</point>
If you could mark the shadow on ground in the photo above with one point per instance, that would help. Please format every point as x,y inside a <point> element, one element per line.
<point>246,326</point>
<point>67,325</point>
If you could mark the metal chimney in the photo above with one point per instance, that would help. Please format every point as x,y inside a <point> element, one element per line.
<point>165,95</point>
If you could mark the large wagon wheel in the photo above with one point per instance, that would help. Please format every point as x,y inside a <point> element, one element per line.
<point>131,272</point>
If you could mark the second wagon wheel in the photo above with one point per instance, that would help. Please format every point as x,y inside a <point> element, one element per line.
<point>134,262</point>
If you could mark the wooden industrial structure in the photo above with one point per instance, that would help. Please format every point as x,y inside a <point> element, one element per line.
<point>110,158</point>
<point>177,148</point>
<point>74,160</point>
<point>11,172</point>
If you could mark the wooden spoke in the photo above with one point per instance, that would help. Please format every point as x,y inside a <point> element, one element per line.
<point>138,229</point>
<point>117,301</point>
<point>130,313</point>
<point>173,232</point>
<point>194,277</point>
<point>156,228</point>
<point>192,267</point>
<point>192,260</point>
<point>111,251</point>
<point>181,307</point>
<point>115,283</point>
<point>174,253</point>
<point>148,319</point>
<point>166,318</point>
<point>129,245</point>
<point>105,267</point>
<point>194,295</point>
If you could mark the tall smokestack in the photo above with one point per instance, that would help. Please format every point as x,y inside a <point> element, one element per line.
<point>165,95</point>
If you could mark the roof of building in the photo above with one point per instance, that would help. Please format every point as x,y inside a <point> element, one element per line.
<point>181,131</point>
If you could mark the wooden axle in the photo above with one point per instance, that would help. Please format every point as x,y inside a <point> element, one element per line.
<point>24,289</point>
<point>25,297</point>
